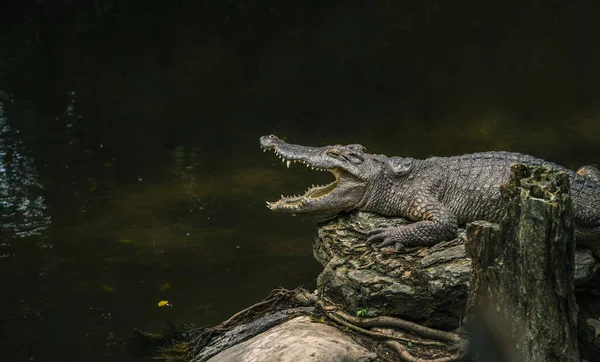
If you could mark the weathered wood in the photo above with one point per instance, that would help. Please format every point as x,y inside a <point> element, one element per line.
<point>523,271</point>
<point>481,246</point>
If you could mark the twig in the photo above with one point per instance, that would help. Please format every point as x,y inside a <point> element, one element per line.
<point>206,334</point>
<point>365,266</point>
<point>273,297</point>
<point>246,310</point>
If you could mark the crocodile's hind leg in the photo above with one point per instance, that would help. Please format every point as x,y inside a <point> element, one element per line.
<point>594,246</point>
<point>589,172</point>
<point>589,237</point>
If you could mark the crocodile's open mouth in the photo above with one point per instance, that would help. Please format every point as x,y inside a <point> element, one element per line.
<point>314,193</point>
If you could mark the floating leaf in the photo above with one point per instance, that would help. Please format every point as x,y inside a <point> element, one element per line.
<point>165,286</point>
<point>164,303</point>
<point>108,288</point>
<point>125,241</point>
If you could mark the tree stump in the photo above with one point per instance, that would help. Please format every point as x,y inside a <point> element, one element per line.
<point>522,284</point>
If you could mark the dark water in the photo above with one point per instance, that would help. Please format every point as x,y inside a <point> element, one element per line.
<point>130,171</point>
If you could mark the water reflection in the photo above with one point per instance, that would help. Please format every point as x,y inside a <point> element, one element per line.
<point>22,204</point>
<point>25,249</point>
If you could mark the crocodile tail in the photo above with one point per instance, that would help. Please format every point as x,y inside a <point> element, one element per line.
<point>590,236</point>
<point>589,172</point>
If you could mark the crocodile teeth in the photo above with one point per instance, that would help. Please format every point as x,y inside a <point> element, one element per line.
<point>288,163</point>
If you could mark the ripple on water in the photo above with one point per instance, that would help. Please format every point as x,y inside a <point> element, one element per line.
<point>22,205</point>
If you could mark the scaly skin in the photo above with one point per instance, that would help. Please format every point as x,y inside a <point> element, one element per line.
<point>438,193</point>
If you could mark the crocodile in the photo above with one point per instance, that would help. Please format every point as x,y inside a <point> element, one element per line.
<point>438,194</point>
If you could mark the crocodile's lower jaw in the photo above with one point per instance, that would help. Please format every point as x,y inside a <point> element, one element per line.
<point>293,203</point>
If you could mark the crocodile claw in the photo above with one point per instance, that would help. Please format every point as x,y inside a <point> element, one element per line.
<point>386,237</point>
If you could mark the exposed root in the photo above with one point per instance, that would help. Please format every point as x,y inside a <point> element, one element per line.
<point>399,336</point>
<point>412,327</point>
<point>391,337</point>
<point>406,356</point>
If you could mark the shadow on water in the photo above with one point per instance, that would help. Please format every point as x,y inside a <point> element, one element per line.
<point>130,170</point>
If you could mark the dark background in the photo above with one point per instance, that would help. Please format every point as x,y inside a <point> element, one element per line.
<point>130,169</point>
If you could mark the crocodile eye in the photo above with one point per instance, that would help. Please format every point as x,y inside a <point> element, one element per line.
<point>334,153</point>
<point>272,136</point>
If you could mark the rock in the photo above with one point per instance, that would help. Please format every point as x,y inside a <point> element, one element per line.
<point>297,340</point>
<point>243,332</point>
<point>427,285</point>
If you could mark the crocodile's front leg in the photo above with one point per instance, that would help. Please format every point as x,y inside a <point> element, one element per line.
<point>434,223</point>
